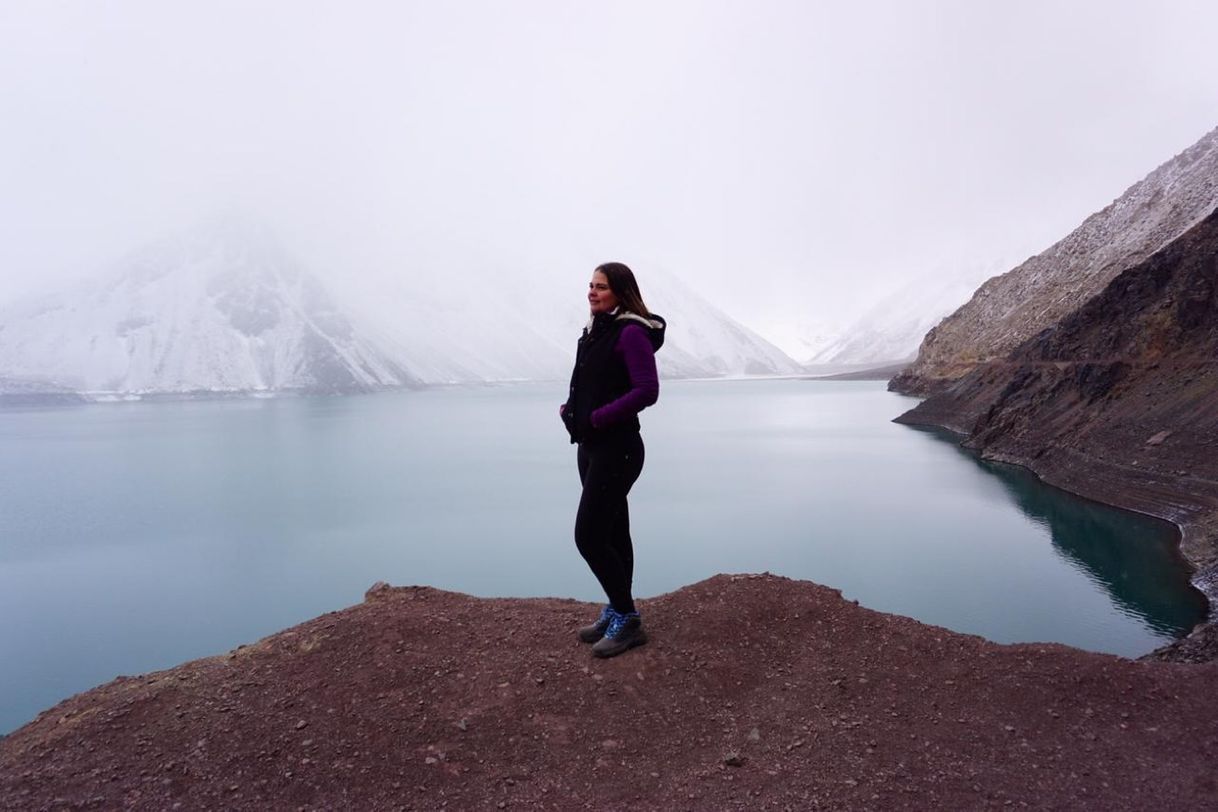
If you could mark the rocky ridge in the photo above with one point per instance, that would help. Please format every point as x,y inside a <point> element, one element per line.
<point>1012,308</point>
<point>756,692</point>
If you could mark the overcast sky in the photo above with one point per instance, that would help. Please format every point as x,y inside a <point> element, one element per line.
<point>791,160</point>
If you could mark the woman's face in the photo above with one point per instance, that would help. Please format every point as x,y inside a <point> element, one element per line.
<point>600,298</point>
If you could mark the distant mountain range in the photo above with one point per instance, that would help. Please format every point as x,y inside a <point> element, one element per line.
<point>526,328</point>
<point>892,328</point>
<point>216,311</point>
<point>227,310</point>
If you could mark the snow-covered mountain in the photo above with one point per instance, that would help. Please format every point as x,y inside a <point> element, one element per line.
<point>803,338</point>
<point>892,328</point>
<point>227,310</point>
<point>703,341</point>
<point>526,326</point>
<point>221,310</point>
<point>474,333</point>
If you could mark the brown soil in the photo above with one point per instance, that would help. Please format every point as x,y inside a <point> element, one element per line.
<point>756,692</point>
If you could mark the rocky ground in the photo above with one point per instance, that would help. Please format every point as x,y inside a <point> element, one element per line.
<point>756,692</point>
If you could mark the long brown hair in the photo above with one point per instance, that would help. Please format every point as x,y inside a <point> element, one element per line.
<point>625,287</point>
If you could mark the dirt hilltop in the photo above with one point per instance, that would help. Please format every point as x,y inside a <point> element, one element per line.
<point>756,692</point>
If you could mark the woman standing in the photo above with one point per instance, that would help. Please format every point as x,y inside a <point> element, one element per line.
<point>614,379</point>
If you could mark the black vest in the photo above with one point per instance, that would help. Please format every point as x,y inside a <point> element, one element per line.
<point>599,377</point>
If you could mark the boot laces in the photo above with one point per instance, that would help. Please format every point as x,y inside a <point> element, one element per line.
<point>617,622</point>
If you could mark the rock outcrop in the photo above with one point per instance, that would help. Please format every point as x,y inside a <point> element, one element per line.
<point>756,692</point>
<point>1012,308</point>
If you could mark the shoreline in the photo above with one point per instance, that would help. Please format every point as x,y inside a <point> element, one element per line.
<point>74,397</point>
<point>1202,578</point>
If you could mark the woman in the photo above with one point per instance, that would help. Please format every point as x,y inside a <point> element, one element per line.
<point>614,379</point>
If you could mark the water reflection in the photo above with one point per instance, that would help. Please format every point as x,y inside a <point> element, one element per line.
<point>1135,558</point>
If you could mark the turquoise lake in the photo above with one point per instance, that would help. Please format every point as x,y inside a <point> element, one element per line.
<point>135,536</point>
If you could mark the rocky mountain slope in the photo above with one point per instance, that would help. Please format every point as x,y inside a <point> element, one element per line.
<point>1009,309</point>
<point>755,692</point>
<point>1117,401</point>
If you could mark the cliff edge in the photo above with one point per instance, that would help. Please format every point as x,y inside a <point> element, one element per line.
<point>756,692</point>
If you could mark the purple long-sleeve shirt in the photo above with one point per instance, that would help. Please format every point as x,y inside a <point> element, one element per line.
<point>634,348</point>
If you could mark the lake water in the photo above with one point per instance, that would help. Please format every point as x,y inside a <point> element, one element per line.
<point>136,536</point>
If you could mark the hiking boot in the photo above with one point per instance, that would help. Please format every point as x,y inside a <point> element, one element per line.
<point>624,633</point>
<point>590,634</point>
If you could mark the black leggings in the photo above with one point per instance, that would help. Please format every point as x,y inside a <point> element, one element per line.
<point>607,469</point>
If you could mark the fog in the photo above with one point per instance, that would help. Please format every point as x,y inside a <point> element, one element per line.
<point>792,161</point>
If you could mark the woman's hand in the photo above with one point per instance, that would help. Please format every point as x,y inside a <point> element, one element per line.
<point>567,420</point>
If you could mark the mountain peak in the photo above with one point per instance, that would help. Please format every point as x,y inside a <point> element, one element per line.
<point>222,308</point>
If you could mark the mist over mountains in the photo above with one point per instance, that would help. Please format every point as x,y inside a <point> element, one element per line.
<point>227,309</point>
<point>892,328</point>
<point>217,310</point>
